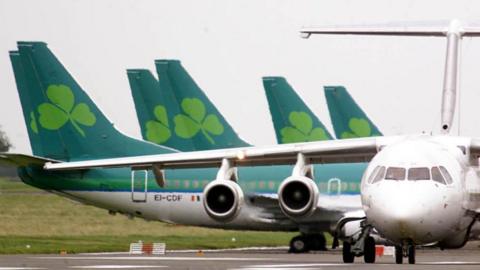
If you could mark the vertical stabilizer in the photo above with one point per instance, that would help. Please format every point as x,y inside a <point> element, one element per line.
<point>63,122</point>
<point>193,116</point>
<point>348,119</point>
<point>292,119</point>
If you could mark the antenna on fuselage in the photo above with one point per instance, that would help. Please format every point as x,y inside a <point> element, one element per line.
<point>453,32</point>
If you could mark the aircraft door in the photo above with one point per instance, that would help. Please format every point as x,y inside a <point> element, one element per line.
<point>139,185</point>
<point>334,186</point>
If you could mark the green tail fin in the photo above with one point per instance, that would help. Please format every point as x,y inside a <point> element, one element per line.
<point>348,119</point>
<point>292,119</point>
<point>192,116</point>
<point>63,122</point>
<point>156,108</point>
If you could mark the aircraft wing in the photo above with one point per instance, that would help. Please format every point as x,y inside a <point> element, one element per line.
<point>19,160</point>
<point>349,150</point>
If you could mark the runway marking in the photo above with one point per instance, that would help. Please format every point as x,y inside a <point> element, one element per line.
<point>117,266</point>
<point>292,266</point>
<point>451,263</point>
<point>143,258</point>
<point>19,268</point>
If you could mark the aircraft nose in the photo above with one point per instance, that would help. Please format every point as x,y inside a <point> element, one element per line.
<point>406,211</point>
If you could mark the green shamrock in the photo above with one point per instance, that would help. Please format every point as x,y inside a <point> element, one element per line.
<point>33,123</point>
<point>359,127</point>
<point>61,110</point>
<point>189,124</point>
<point>302,129</point>
<point>158,130</point>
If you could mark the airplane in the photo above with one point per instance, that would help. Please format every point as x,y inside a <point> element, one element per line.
<point>148,94</point>
<point>64,125</point>
<point>348,119</point>
<point>175,112</point>
<point>416,190</point>
<point>292,119</point>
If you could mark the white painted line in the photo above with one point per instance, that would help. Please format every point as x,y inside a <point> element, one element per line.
<point>117,266</point>
<point>227,249</point>
<point>19,268</point>
<point>447,263</point>
<point>150,258</point>
<point>290,265</point>
<point>195,250</point>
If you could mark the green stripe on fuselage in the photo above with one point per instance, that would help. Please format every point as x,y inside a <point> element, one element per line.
<point>330,178</point>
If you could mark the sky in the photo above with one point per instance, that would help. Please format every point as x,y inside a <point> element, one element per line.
<point>227,46</point>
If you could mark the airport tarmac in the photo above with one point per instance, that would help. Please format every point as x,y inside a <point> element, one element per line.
<point>466,258</point>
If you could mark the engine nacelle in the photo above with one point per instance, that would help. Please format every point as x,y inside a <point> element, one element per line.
<point>298,196</point>
<point>222,199</point>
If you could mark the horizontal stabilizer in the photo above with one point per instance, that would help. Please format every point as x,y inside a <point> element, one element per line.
<point>22,160</point>
<point>397,29</point>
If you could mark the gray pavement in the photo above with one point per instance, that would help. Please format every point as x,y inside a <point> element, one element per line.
<point>466,258</point>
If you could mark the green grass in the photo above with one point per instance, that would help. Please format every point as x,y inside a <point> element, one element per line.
<point>35,222</point>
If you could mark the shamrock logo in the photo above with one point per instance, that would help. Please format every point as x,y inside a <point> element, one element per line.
<point>158,130</point>
<point>195,120</point>
<point>33,123</point>
<point>359,127</point>
<point>62,109</point>
<point>301,129</point>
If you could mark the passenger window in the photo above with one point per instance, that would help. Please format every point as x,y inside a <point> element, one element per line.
<point>437,176</point>
<point>415,174</point>
<point>395,173</point>
<point>380,175</point>
<point>446,174</point>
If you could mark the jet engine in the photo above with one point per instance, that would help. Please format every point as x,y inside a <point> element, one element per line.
<point>298,196</point>
<point>222,199</point>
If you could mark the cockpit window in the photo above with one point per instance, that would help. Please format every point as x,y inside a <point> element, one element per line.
<point>395,173</point>
<point>373,174</point>
<point>437,176</point>
<point>415,174</point>
<point>379,175</point>
<point>446,174</point>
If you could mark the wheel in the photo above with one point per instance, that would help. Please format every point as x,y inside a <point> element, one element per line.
<point>317,242</point>
<point>398,254</point>
<point>411,254</point>
<point>298,244</point>
<point>348,256</point>
<point>369,250</point>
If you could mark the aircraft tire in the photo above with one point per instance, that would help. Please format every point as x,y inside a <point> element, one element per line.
<point>348,256</point>
<point>298,244</point>
<point>317,242</point>
<point>369,250</point>
<point>398,255</point>
<point>411,254</point>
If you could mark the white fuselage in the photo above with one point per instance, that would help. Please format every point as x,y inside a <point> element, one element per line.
<point>405,204</point>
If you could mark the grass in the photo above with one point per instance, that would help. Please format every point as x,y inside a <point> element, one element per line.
<point>32,221</point>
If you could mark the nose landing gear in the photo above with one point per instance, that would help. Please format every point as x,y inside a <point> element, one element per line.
<point>407,250</point>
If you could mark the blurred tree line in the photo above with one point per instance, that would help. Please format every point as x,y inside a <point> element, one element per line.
<point>4,142</point>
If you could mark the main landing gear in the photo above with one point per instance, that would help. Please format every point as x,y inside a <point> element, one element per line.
<point>402,251</point>
<point>306,242</point>
<point>361,244</point>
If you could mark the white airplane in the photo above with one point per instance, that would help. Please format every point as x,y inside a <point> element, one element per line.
<point>416,190</point>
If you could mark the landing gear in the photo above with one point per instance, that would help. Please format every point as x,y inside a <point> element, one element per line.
<point>298,244</point>
<point>369,250</point>
<point>411,254</point>
<point>405,251</point>
<point>398,254</point>
<point>317,242</point>
<point>360,244</point>
<point>348,256</point>
<point>306,242</point>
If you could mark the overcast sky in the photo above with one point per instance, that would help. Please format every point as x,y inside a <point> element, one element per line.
<point>227,46</point>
